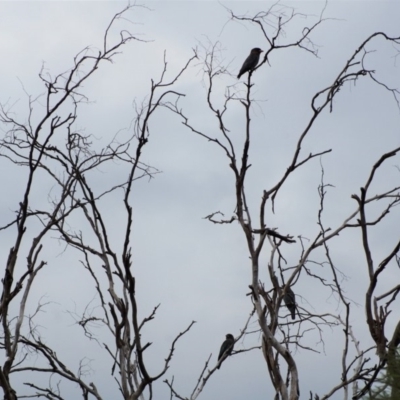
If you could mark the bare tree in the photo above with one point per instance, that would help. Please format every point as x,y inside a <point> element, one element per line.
<point>51,149</point>
<point>281,339</point>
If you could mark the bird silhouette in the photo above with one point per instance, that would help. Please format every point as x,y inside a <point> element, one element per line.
<point>226,347</point>
<point>290,300</point>
<point>251,61</point>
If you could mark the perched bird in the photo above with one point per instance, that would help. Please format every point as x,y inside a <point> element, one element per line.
<point>290,300</point>
<point>251,61</point>
<point>226,347</point>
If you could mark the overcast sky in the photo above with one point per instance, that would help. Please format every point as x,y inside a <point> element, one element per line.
<point>197,270</point>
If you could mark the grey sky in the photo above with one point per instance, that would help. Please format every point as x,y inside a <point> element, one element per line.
<point>197,270</point>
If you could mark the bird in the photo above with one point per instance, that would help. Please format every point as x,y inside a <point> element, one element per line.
<point>226,347</point>
<point>290,300</point>
<point>251,61</point>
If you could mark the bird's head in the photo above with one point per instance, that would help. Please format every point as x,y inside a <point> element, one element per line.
<point>229,336</point>
<point>257,50</point>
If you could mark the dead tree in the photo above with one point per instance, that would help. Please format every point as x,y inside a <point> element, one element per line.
<point>279,339</point>
<point>51,150</point>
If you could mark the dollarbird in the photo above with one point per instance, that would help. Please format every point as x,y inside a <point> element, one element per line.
<point>251,61</point>
<point>226,347</point>
<point>290,300</point>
